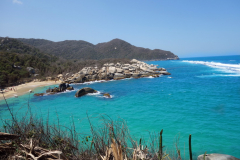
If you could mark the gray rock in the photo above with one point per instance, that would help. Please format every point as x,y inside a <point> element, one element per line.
<point>80,79</point>
<point>84,91</point>
<point>62,87</point>
<point>39,94</point>
<point>216,156</point>
<point>107,95</point>
<point>119,70</point>
<point>165,73</point>
<point>110,76</point>
<point>70,88</point>
<point>136,75</point>
<point>112,69</point>
<point>118,76</point>
<point>125,68</point>
<point>128,75</point>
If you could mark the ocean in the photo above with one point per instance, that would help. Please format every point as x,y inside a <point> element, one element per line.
<point>201,97</point>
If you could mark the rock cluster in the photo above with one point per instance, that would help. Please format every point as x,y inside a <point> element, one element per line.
<point>61,88</point>
<point>117,71</point>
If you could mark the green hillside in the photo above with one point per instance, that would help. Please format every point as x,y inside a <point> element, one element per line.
<point>115,48</point>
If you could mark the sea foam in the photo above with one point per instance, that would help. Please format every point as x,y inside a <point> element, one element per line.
<point>230,68</point>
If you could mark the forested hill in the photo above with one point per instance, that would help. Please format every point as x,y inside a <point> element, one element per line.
<point>116,48</point>
<point>21,62</point>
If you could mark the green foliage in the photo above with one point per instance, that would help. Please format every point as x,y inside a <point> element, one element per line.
<point>16,57</point>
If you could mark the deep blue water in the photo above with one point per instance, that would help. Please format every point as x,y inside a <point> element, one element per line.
<point>201,98</point>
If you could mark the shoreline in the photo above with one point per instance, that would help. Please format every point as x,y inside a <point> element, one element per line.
<point>24,88</point>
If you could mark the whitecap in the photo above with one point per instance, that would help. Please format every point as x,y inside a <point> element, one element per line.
<point>94,94</point>
<point>221,75</point>
<point>229,68</point>
<point>149,77</point>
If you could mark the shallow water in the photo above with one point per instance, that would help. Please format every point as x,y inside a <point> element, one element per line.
<point>201,98</point>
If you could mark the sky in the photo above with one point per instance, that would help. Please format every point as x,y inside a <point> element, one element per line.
<point>188,28</point>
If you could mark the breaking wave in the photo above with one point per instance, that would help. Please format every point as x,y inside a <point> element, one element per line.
<point>232,68</point>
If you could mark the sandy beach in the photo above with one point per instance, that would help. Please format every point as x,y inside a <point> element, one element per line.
<point>13,91</point>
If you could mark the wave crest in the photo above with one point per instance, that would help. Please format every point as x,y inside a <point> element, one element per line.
<point>233,68</point>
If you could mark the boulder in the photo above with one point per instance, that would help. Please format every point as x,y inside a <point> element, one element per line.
<point>134,61</point>
<point>83,71</point>
<point>112,69</point>
<point>216,156</point>
<point>62,87</point>
<point>119,70</point>
<point>128,75</point>
<point>126,65</point>
<point>146,75</point>
<point>48,90</point>
<point>125,68</point>
<point>107,95</point>
<point>70,88</point>
<point>67,85</point>
<point>110,76</point>
<point>84,91</point>
<point>54,90</point>
<point>126,71</point>
<point>118,76</point>
<point>80,79</point>
<point>165,73</point>
<point>111,64</point>
<point>136,75</point>
<point>92,77</point>
<point>38,94</point>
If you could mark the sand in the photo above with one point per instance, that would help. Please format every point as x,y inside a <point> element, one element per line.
<point>25,88</point>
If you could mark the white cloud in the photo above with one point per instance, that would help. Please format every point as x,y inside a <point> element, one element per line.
<point>17,1</point>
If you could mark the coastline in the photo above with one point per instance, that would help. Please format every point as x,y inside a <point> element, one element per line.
<point>24,88</point>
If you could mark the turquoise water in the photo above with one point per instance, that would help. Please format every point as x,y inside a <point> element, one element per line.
<point>201,98</point>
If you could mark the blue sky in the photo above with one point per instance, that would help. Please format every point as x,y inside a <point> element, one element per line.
<point>188,28</point>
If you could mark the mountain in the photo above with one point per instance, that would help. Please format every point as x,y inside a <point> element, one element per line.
<point>116,48</point>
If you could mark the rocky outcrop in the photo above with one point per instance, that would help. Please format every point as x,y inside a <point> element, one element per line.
<point>107,95</point>
<point>216,156</point>
<point>70,88</point>
<point>61,88</point>
<point>118,76</point>
<point>165,73</point>
<point>116,71</point>
<point>84,91</point>
<point>38,94</point>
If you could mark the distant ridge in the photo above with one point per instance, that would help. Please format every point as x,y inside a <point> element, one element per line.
<point>116,48</point>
